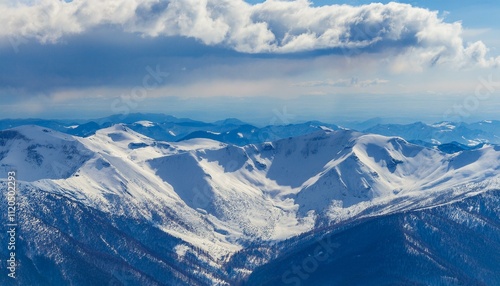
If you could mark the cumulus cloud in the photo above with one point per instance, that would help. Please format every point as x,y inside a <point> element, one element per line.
<point>274,26</point>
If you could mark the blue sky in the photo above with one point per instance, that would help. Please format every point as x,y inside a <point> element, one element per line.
<point>273,61</point>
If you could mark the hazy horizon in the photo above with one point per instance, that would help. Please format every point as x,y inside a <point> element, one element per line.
<point>279,117</point>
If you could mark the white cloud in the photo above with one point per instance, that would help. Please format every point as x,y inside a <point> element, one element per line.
<point>415,37</point>
<point>351,82</point>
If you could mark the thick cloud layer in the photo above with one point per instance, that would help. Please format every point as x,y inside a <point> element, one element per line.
<point>271,27</point>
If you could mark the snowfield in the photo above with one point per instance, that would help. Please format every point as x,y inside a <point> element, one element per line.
<point>215,200</point>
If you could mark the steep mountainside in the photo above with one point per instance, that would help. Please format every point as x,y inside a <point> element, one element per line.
<point>453,244</point>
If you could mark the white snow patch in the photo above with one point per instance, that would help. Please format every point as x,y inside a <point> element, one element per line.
<point>444,124</point>
<point>436,142</point>
<point>326,128</point>
<point>145,123</point>
<point>181,250</point>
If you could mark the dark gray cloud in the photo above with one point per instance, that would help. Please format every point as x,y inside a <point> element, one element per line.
<point>103,57</point>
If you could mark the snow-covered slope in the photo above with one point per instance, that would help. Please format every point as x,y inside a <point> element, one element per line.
<point>40,153</point>
<point>453,244</point>
<point>212,201</point>
<point>442,132</point>
<point>245,134</point>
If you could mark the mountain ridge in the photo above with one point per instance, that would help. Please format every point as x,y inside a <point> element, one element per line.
<point>169,128</point>
<point>214,201</point>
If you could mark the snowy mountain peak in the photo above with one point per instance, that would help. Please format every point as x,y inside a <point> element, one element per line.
<point>41,134</point>
<point>40,153</point>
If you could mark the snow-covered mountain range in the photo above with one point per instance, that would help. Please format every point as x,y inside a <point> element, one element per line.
<point>443,132</point>
<point>169,128</point>
<point>122,207</point>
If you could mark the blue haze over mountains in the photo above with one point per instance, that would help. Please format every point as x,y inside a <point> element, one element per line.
<point>453,136</point>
